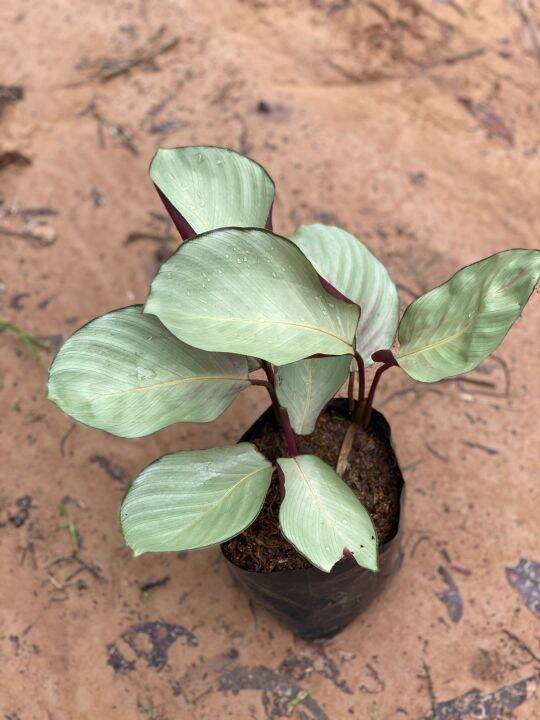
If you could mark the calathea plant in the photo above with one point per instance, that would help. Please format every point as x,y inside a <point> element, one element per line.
<point>308,313</point>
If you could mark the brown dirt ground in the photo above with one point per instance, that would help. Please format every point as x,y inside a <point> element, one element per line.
<point>410,122</point>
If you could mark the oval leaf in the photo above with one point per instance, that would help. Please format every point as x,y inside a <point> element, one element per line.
<point>212,187</point>
<point>194,499</point>
<point>127,374</point>
<point>304,387</point>
<point>346,263</point>
<point>250,292</point>
<point>454,327</point>
<point>322,517</point>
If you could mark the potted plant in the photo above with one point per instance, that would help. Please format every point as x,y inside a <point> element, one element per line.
<point>307,505</point>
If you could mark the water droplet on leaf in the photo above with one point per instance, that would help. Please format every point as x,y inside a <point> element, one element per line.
<point>144,373</point>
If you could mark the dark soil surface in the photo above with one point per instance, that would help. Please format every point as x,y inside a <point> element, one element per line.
<point>372,473</point>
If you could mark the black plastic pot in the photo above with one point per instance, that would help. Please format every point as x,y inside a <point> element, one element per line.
<point>315,604</point>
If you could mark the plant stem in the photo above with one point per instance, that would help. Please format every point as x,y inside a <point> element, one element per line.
<point>271,391</point>
<point>350,393</point>
<point>269,370</point>
<point>366,414</point>
<point>282,416</point>
<point>361,388</point>
<point>361,377</point>
<point>289,435</point>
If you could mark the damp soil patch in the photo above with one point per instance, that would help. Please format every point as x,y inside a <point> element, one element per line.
<point>372,473</point>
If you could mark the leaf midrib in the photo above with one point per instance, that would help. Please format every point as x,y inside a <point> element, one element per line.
<point>222,498</point>
<point>270,322</point>
<point>489,293</point>
<point>329,521</point>
<point>445,340</point>
<point>181,381</point>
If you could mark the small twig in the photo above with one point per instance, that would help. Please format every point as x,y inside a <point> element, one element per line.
<point>147,587</point>
<point>435,452</point>
<point>345,451</point>
<point>471,381</point>
<point>116,132</point>
<point>136,236</point>
<point>452,59</point>
<point>522,646</point>
<point>494,125</point>
<point>74,558</point>
<point>415,389</point>
<point>105,68</point>
<point>65,437</point>
<point>478,446</point>
<point>39,235</point>
<point>524,10</point>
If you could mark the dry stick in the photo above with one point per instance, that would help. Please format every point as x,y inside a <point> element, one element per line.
<point>362,415</point>
<point>345,451</point>
<point>346,445</point>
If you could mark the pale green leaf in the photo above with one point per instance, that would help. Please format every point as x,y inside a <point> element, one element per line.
<point>194,499</point>
<point>127,374</point>
<point>250,292</point>
<point>454,327</point>
<point>213,187</point>
<point>322,517</point>
<point>304,387</point>
<point>347,264</point>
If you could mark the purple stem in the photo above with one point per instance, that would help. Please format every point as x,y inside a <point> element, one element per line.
<point>361,378</point>
<point>281,415</point>
<point>269,370</point>
<point>369,402</point>
<point>350,393</point>
<point>289,435</point>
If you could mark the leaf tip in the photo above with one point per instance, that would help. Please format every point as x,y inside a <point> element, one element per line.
<point>369,563</point>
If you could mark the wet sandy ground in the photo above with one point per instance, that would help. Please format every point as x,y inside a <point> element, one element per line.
<point>414,125</point>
